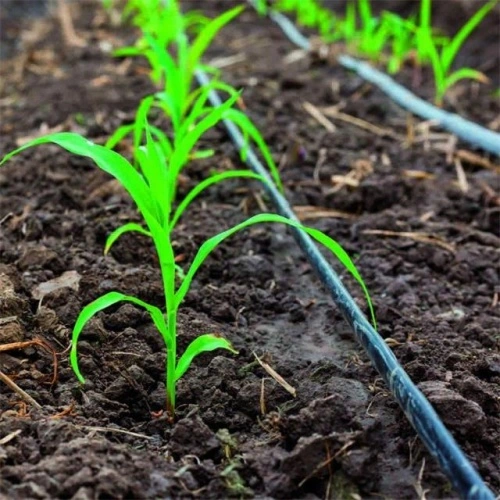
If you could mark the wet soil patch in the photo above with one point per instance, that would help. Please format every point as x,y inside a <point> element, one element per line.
<point>238,433</point>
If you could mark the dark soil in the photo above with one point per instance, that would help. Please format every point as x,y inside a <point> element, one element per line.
<point>238,433</point>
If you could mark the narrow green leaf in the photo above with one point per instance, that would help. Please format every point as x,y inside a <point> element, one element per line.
<point>465,73</point>
<point>202,154</point>
<point>250,130</point>
<point>107,160</point>
<point>126,228</point>
<point>141,120</point>
<point>210,181</point>
<point>189,140</point>
<point>203,40</point>
<point>119,134</point>
<point>209,245</point>
<point>204,343</point>
<point>451,49</point>
<point>90,310</point>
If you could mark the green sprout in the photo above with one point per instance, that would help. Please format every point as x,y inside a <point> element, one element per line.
<point>442,59</point>
<point>150,190</point>
<point>261,7</point>
<point>402,39</point>
<point>188,109</point>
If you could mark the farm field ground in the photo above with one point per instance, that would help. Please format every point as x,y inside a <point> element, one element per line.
<point>419,212</point>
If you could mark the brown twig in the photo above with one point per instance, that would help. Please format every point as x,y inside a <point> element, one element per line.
<point>39,342</point>
<point>319,117</point>
<point>474,159</point>
<point>333,112</point>
<point>112,429</point>
<point>68,411</point>
<point>276,376</point>
<point>326,462</point>
<point>430,239</point>
<point>9,382</point>
<point>306,212</point>
<point>9,437</point>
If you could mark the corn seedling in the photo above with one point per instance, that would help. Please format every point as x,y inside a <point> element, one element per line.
<point>401,39</point>
<point>150,192</point>
<point>261,7</point>
<point>186,108</point>
<point>442,58</point>
<point>372,36</point>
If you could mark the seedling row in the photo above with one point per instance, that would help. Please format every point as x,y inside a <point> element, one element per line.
<point>173,43</point>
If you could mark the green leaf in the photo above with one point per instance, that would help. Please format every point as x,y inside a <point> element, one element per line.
<point>189,140</point>
<point>197,101</point>
<point>209,245</point>
<point>204,343</point>
<point>210,181</point>
<point>202,154</point>
<point>90,310</point>
<point>465,73</point>
<point>451,49</point>
<point>158,176</point>
<point>126,228</point>
<point>250,130</point>
<point>261,7</point>
<point>107,160</point>
<point>118,135</point>
<point>128,52</point>
<point>141,116</point>
<point>203,40</point>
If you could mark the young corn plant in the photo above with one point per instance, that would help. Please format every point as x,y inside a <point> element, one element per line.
<point>150,189</point>
<point>188,109</point>
<point>373,35</point>
<point>199,119</point>
<point>442,58</point>
<point>401,40</point>
<point>167,25</point>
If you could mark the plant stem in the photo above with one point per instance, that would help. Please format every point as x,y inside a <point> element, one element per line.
<point>171,362</point>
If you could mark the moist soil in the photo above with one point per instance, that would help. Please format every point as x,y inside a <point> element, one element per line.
<point>238,433</point>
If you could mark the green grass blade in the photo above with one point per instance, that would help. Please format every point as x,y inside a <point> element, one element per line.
<point>141,120</point>
<point>119,134</point>
<point>175,81</point>
<point>336,249</point>
<point>349,23</point>
<point>204,343</point>
<point>195,20</point>
<point>126,228</point>
<point>245,124</point>
<point>188,141</point>
<point>90,310</point>
<point>203,40</point>
<point>451,49</point>
<point>365,14</point>
<point>197,101</point>
<point>425,14</point>
<point>128,52</point>
<point>163,141</point>
<point>210,181</point>
<point>261,7</point>
<point>202,154</point>
<point>158,176</point>
<point>463,74</point>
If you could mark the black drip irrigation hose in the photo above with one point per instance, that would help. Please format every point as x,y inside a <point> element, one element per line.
<point>418,410</point>
<point>464,129</point>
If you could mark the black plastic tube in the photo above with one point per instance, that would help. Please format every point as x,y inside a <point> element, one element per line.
<point>464,129</point>
<point>418,410</point>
